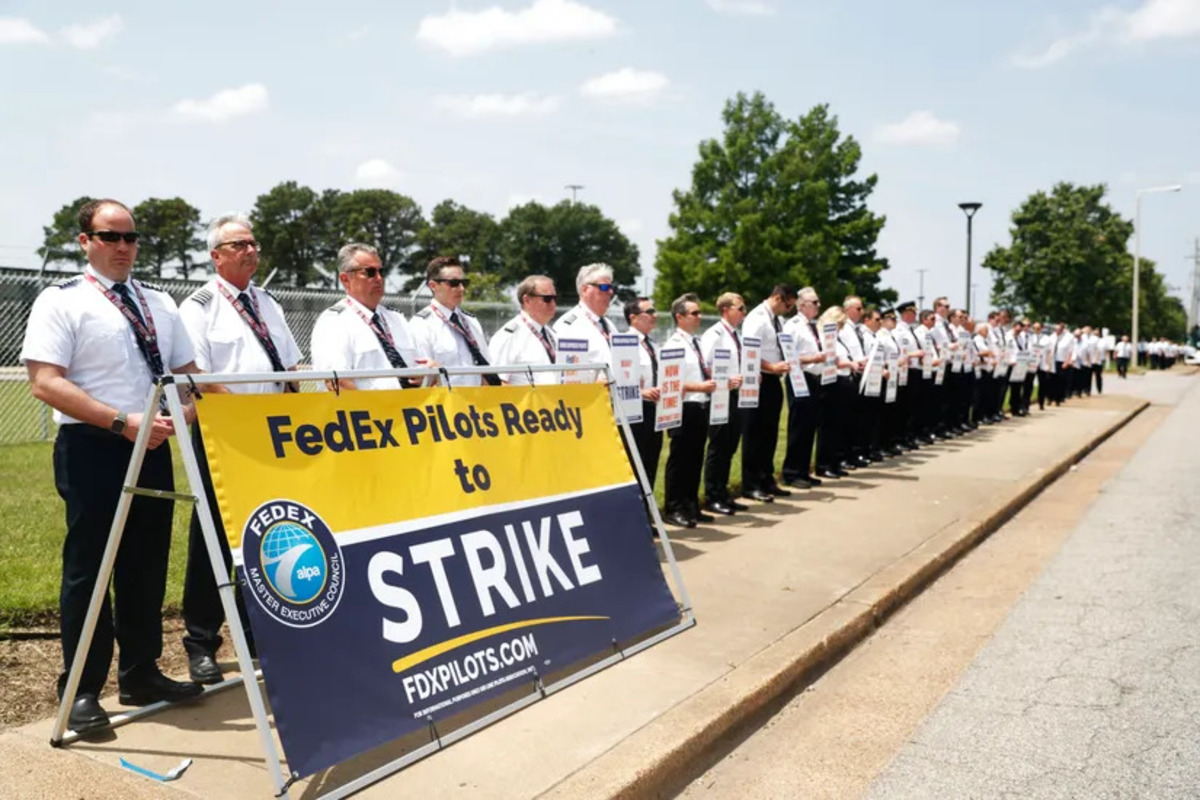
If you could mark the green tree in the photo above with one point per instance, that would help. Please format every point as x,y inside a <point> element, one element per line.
<point>775,200</point>
<point>60,239</point>
<point>170,232</point>
<point>473,236</point>
<point>388,221</point>
<point>291,223</point>
<point>556,241</point>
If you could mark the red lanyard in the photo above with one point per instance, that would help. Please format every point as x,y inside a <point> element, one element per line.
<point>462,329</point>
<point>144,331</point>
<point>541,338</point>
<point>381,330</point>
<point>257,325</point>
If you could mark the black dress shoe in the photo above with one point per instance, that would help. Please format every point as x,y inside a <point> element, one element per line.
<point>700,516</point>
<point>826,472</point>
<point>680,519</point>
<point>204,669</point>
<point>736,506</point>
<point>155,688</point>
<point>875,455</point>
<point>717,507</point>
<point>847,466</point>
<point>807,482</point>
<point>86,714</point>
<point>759,495</point>
<point>778,491</point>
<point>862,461</point>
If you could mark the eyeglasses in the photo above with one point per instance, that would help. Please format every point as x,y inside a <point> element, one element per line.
<point>604,287</point>
<point>240,245</point>
<point>112,237</point>
<point>740,308</point>
<point>649,311</point>
<point>368,272</point>
<point>546,298</point>
<point>454,283</point>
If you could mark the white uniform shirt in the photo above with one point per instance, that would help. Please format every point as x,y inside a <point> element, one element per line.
<point>843,352</point>
<point>691,363</point>
<point>581,323</point>
<point>1014,343</point>
<point>1124,349</point>
<point>1064,349</point>
<point>518,343</point>
<point>224,342</point>
<point>343,340</point>
<point>648,376</point>
<point>807,342</point>
<point>723,337</point>
<point>904,336</point>
<point>925,342</point>
<point>74,326</point>
<point>760,324</point>
<point>436,338</point>
<point>850,336</point>
<point>983,347</point>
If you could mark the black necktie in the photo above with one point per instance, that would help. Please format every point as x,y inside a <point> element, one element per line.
<point>604,328</point>
<point>812,326</point>
<point>737,342</point>
<point>653,361</point>
<point>549,343</point>
<point>123,290</point>
<point>244,299</point>
<point>393,355</point>
<point>704,373</point>
<point>476,355</point>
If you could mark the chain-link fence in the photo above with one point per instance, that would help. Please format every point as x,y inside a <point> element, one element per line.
<point>24,419</point>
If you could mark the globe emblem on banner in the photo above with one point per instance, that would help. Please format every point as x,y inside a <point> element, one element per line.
<point>294,562</point>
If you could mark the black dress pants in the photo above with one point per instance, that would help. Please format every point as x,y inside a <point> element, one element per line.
<point>203,613</point>
<point>89,471</point>
<point>648,441</point>
<point>685,461</point>
<point>804,420</point>
<point>722,444</point>
<point>761,435</point>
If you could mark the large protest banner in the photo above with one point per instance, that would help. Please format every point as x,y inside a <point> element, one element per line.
<point>409,554</point>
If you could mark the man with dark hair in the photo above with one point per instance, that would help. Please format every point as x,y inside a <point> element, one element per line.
<point>640,314</point>
<point>805,416</point>
<point>94,346</point>
<point>723,439</point>
<point>448,333</point>
<point>761,428</point>
<point>527,338</point>
<point>681,499</point>
<point>911,399</point>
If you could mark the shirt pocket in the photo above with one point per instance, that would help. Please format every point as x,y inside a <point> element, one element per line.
<point>224,353</point>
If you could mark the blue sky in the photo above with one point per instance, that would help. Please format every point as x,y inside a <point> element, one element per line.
<point>492,102</point>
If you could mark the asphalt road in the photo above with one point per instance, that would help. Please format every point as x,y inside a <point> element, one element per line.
<point>1091,687</point>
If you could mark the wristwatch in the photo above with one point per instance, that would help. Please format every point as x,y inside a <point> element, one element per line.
<point>118,424</point>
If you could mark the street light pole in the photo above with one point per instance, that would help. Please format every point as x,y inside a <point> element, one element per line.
<point>1137,257</point>
<point>574,187</point>
<point>921,291</point>
<point>969,209</point>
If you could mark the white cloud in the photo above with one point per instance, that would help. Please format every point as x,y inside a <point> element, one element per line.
<point>225,104</point>
<point>479,106</point>
<point>377,174</point>
<point>630,227</point>
<point>626,85</point>
<point>91,35</point>
<point>1113,27</point>
<point>919,128</point>
<point>14,30</point>
<point>742,7</point>
<point>465,33</point>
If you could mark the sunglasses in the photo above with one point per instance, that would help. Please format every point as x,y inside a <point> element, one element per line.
<point>650,311</point>
<point>740,308</point>
<point>240,245</point>
<point>546,298</point>
<point>604,287</point>
<point>112,237</point>
<point>691,313</point>
<point>454,283</point>
<point>368,272</point>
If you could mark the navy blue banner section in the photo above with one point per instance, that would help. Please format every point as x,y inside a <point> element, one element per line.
<point>362,643</point>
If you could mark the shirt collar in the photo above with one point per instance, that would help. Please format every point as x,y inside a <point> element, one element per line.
<point>235,291</point>
<point>446,310</point>
<point>360,306</point>
<point>531,321</point>
<point>107,283</point>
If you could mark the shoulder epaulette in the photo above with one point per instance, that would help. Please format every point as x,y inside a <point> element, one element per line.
<point>424,313</point>
<point>569,319</point>
<point>151,286</point>
<point>267,292</point>
<point>67,283</point>
<point>510,327</point>
<point>201,296</point>
<point>464,311</point>
<point>339,306</point>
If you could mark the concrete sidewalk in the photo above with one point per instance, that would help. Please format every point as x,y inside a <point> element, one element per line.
<point>779,593</point>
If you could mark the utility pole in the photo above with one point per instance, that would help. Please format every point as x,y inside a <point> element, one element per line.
<point>574,187</point>
<point>1194,305</point>
<point>921,291</point>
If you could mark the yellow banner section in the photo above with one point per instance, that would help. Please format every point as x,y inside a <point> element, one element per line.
<point>368,458</point>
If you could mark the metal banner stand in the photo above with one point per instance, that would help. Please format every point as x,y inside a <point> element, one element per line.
<point>169,385</point>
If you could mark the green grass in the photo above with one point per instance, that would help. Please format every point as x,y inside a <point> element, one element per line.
<point>22,418</point>
<point>31,546</point>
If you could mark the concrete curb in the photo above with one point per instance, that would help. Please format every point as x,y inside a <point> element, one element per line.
<point>667,753</point>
